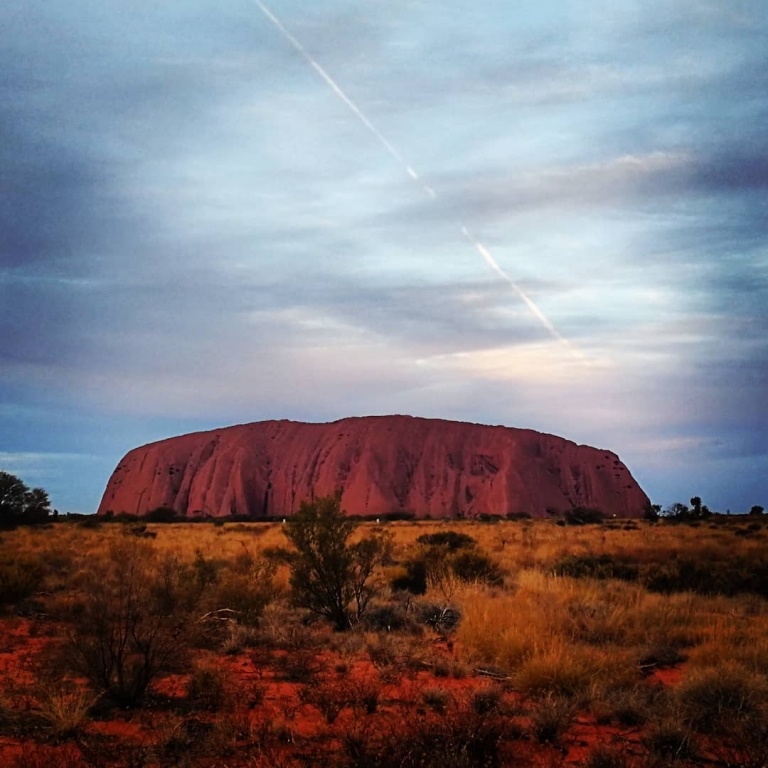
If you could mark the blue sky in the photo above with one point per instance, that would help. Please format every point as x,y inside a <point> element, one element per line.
<point>196,230</point>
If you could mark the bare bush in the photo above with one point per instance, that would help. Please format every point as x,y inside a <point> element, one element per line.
<point>130,624</point>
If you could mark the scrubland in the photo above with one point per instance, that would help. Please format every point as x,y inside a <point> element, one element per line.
<point>508,643</point>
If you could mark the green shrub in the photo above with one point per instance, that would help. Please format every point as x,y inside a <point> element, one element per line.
<point>452,540</point>
<point>444,557</point>
<point>473,565</point>
<point>329,576</point>
<point>415,578</point>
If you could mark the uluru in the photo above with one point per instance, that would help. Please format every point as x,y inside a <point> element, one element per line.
<point>378,464</point>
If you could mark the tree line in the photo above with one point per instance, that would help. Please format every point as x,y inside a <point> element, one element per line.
<point>21,504</point>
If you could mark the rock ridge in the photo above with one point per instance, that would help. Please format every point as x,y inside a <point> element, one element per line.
<point>378,464</point>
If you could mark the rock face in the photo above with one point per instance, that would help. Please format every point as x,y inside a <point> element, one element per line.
<point>379,464</point>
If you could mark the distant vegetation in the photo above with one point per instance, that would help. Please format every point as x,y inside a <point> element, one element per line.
<point>20,504</point>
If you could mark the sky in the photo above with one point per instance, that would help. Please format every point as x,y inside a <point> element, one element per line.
<point>197,228</point>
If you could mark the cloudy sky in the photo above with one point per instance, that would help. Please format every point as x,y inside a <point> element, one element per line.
<point>197,230</point>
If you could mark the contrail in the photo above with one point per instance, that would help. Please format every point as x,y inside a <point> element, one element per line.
<point>494,265</point>
<point>483,251</point>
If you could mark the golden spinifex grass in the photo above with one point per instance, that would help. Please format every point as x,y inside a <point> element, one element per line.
<point>660,628</point>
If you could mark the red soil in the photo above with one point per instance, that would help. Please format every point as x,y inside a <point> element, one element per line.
<point>303,730</point>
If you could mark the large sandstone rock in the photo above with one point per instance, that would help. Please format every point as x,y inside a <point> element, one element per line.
<point>379,464</point>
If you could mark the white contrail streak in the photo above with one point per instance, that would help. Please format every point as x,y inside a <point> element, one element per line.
<point>484,252</point>
<point>334,86</point>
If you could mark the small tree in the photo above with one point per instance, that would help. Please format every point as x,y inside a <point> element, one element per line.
<point>699,511</point>
<point>37,505</point>
<point>20,504</point>
<point>651,512</point>
<point>677,512</point>
<point>329,576</point>
<point>12,492</point>
<point>756,510</point>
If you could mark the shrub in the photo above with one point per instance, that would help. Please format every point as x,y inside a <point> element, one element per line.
<point>738,574</point>
<point>90,523</point>
<point>629,706</point>
<point>19,504</point>
<point>596,567</point>
<point>161,515</point>
<point>472,566</point>
<point>452,540</point>
<point>583,516</point>
<point>552,716</point>
<point>603,756</point>
<point>486,699</point>
<point>671,740</point>
<point>20,577</point>
<point>209,687</point>
<point>390,618</point>
<point>329,697</point>
<point>441,618</point>
<point>436,699</point>
<point>447,557</point>
<point>245,594</point>
<point>415,578</point>
<point>300,666</point>
<point>651,512</point>
<point>129,628</point>
<point>562,670</point>
<point>63,707</point>
<point>329,576</point>
<point>458,739</point>
<point>719,699</point>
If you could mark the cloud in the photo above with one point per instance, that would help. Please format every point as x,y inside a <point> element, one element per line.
<point>194,230</point>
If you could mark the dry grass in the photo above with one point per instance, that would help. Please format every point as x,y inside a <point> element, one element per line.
<point>561,644</point>
<point>63,708</point>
